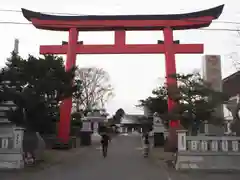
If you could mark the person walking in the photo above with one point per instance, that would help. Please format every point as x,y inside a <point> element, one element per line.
<point>105,141</point>
<point>146,144</point>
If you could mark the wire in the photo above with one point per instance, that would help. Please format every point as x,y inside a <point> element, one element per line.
<point>219,29</point>
<point>75,14</point>
<point>16,23</point>
<point>19,11</point>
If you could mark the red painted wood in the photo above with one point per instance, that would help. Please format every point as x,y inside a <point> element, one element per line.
<point>123,49</point>
<point>120,47</point>
<point>174,123</point>
<point>111,25</point>
<point>66,106</point>
<point>170,64</point>
<point>120,38</point>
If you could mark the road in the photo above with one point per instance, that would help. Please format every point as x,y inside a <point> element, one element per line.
<point>124,162</point>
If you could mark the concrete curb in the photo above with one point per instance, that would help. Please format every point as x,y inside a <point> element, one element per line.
<point>209,171</point>
<point>170,169</point>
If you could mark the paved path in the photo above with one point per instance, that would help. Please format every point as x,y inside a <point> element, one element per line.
<point>124,162</point>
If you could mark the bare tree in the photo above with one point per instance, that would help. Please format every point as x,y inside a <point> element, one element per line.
<point>234,105</point>
<point>95,91</point>
<point>234,56</point>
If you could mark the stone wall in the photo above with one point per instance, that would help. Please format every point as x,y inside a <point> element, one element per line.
<point>207,152</point>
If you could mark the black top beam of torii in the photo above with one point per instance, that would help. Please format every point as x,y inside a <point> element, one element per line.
<point>145,22</point>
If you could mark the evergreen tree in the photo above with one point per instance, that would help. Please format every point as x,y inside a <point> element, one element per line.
<point>36,86</point>
<point>195,102</point>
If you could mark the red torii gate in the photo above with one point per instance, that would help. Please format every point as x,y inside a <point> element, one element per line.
<point>120,24</point>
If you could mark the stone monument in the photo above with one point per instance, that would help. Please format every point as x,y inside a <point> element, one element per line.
<point>212,74</point>
<point>11,151</point>
<point>30,142</point>
<point>90,126</point>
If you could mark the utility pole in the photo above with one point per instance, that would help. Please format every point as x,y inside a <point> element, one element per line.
<point>16,46</point>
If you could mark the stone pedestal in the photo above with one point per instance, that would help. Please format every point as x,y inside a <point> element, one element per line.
<point>158,131</point>
<point>158,139</point>
<point>41,146</point>
<point>11,151</point>
<point>86,133</point>
<point>34,143</point>
<point>171,144</point>
<point>85,138</point>
<point>61,145</point>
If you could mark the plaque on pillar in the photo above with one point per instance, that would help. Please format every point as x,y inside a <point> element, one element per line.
<point>224,145</point>
<point>214,146</point>
<point>194,145</point>
<point>18,137</point>
<point>4,143</point>
<point>235,146</point>
<point>204,145</point>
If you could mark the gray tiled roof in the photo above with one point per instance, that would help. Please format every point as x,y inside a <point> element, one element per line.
<point>131,118</point>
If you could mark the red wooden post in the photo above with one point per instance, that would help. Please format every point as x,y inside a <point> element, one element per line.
<point>170,65</point>
<point>120,38</point>
<point>66,106</point>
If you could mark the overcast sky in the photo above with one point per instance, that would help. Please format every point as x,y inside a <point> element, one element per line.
<point>133,76</point>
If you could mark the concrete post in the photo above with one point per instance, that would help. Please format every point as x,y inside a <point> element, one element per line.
<point>182,143</point>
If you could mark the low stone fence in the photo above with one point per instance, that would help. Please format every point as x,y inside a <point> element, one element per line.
<point>11,151</point>
<point>207,152</point>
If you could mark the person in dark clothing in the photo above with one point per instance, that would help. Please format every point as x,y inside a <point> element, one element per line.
<point>146,144</point>
<point>105,140</point>
<point>146,139</point>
